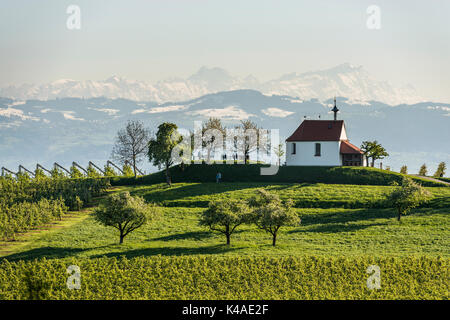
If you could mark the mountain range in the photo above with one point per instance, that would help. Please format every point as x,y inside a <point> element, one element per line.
<point>344,80</point>
<point>83,129</point>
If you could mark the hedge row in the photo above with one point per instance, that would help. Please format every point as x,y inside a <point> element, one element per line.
<point>24,216</point>
<point>285,174</point>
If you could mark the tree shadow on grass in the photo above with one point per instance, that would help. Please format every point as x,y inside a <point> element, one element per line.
<point>44,252</point>
<point>194,235</point>
<point>345,217</point>
<point>336,227</point>
<point>194,190</point>
<point>171,251</point>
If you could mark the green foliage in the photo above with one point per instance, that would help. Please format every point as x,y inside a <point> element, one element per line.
<point>39,174</point>
<point>404,170</point>
<point>125,213</point>
<point>440,171</point>
<point>225,216</point>
<point>109,172</point>
<point>409,195</point>
<point>209,277</point>
<point>92,173</point>
<point>270,213</point>
<point>24,216</point>
<point>75,173</point>
<point>423,170</point>
<point>26,203</point>
<point>57,173</point>
<point>127,171</point>
<point>160,148</point>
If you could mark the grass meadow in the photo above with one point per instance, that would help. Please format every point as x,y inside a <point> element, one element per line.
<point>341,225</point>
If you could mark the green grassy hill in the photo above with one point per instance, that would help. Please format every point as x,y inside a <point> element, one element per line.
<point>286,174</point>
<point>344,229</point>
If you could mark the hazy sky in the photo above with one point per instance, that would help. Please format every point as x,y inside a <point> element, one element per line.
<point>156,39</point>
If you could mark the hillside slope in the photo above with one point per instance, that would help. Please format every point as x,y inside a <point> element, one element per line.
<point>286,174</point>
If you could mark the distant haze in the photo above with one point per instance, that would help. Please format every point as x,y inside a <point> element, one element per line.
<point>344,80</point>
<point>155,40</point>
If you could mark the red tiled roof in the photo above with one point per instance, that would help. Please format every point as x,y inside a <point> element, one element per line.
<point>318,130</point>
<point>348,148</point>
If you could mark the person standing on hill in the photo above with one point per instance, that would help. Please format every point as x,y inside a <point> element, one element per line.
<point>218,177</point>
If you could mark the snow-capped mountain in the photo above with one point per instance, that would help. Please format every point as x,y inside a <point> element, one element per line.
<point>345,80</point>
<point>83,130</point>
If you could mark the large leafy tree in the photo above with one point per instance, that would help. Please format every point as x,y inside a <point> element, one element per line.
<point>125,213</point>
<point>131,144</point>
<point>270,213</point>
<point>407,196</point>
<point>374,151</point>
<point>161,146</point>
<point>225,216</point>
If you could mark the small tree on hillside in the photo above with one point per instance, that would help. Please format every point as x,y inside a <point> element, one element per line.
<point>57,173</point>
<point>408,196</point>
<point>160,148</point>
<point>404,170</point>
<point>210,142</point>
<point>75,173</point>
<point>440,171</point>
<point>39,174</point>
<point>131,144</point>
<point>249,139</point>
<point>366,148</point>
<point>127,170</point>
<point>270,213</point>
<point>125,213</point>
<point>279,152</point>
<point>423,170</point>
<point>109,172</point>
<point>225,216</point>
<point>92,173</point>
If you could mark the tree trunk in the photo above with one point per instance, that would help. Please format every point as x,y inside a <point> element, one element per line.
<point>274,239</point>
<point>399,215</point>
<point>134,166</point>
<point>121,237</point>
<point>227,234</point>
<point>373,162</point>
<point>169,181</point>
